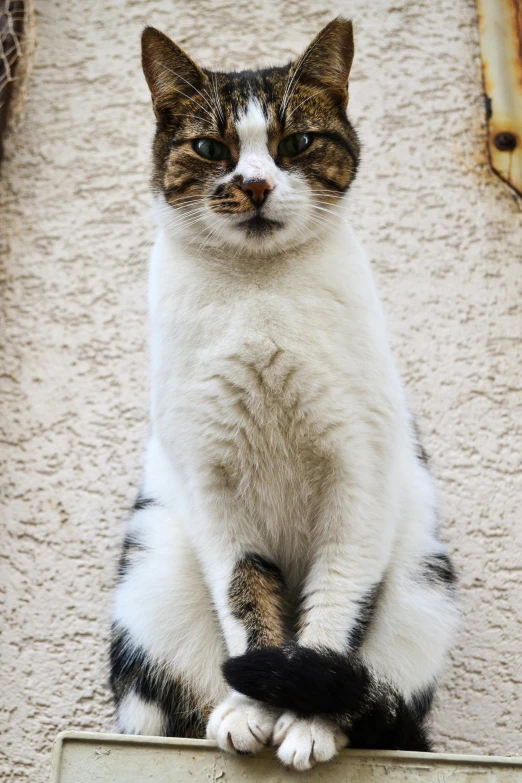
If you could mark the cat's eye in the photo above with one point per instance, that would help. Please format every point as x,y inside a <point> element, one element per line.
<point>294,144</point>
<point>211,149</point>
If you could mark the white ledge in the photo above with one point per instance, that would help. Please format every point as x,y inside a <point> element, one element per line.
<point>82,757</point>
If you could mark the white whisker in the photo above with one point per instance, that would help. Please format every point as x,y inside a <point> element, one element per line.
<point>195,117</point>
<point>287,95</point>
<point>190,85</point>
<point>188,96</point>
<point>217,102</point>
<point>317,92</point>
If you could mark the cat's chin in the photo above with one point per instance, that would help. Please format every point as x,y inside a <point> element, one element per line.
<point>256,236</point>
<point>259,235</point>
<point>258,225</point>
<point>261,238</point>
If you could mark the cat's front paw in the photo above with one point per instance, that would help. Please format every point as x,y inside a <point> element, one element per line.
<point>241,725</point>
<point>303,742</point>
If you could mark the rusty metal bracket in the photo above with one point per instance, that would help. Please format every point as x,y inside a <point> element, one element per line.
<point>500,29</point>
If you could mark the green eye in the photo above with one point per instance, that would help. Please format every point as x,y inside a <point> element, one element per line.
<point>294,144</point>
<point>210,149</point>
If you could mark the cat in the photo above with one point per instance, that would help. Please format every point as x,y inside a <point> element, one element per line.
<point>282,579</point>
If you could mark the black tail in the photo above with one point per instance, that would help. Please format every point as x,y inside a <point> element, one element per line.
<point>300,679</point>
<point>325,682</point>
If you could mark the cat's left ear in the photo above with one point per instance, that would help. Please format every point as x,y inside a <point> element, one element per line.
<point>328,59</point>
<point>170,73</point>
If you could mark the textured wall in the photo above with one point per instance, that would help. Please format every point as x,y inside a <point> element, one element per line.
<point>445,237</point>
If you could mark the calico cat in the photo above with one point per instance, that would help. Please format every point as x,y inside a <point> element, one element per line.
<point>282,578</point>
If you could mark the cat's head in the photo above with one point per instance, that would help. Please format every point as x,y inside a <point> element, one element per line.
<point>255,160</point>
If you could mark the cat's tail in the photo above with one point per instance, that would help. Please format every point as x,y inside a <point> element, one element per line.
<point>301,679</point>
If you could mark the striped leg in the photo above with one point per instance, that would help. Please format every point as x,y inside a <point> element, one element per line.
<point>166,645</point>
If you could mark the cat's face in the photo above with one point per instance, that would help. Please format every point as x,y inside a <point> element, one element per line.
<point>256,160</point>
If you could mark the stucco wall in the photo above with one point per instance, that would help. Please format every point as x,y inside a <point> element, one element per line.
<point>445,237</point>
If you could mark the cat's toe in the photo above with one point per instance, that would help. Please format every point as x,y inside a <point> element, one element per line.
<point>283,724</point>
<point>241,725</point>
<point>303,742</point>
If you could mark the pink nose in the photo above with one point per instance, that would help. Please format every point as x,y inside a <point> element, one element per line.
<point>257,190</point>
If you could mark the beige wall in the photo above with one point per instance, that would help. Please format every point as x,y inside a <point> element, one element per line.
<point>445,237</point>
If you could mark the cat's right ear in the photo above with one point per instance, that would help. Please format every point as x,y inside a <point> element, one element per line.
<point>170,73</point>
<point>328,59</point>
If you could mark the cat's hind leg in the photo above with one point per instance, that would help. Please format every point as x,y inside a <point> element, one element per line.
<point>405,649</point>
<point>166,644</point>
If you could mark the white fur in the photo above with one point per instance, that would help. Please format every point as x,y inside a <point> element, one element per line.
<point>255,161</point>
<point>137,716</point>
<point>279,427</point>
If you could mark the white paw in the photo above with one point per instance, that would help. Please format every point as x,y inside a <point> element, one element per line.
<point>241,725</point>
<point>303,742</point>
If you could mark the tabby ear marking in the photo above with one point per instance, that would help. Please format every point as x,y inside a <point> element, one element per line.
<point>328,59</point>
<point>169,72</point>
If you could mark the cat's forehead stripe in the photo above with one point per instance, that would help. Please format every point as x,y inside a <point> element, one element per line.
<point>251,126</point>
<point>237,89</point>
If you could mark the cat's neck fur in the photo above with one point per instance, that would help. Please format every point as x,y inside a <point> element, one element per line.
<point>336,247</point>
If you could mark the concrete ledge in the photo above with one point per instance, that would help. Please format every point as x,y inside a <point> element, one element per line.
<point>80,757</point>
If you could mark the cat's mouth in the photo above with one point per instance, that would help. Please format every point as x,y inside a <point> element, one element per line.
<point>258,224</point>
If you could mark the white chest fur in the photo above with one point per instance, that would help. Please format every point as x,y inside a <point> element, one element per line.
<point>269,379</point>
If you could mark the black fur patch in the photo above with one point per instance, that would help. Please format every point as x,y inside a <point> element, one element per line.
<point>142,502</point>
<point>300,679</point>
<point>438,568</point>
<point>267,567</point>
<point>422,454</point>
<point>391,723</point>
<point>128,666</point>
<point>131,670</point>
<point>367,607</point>
<point>131,546</point>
